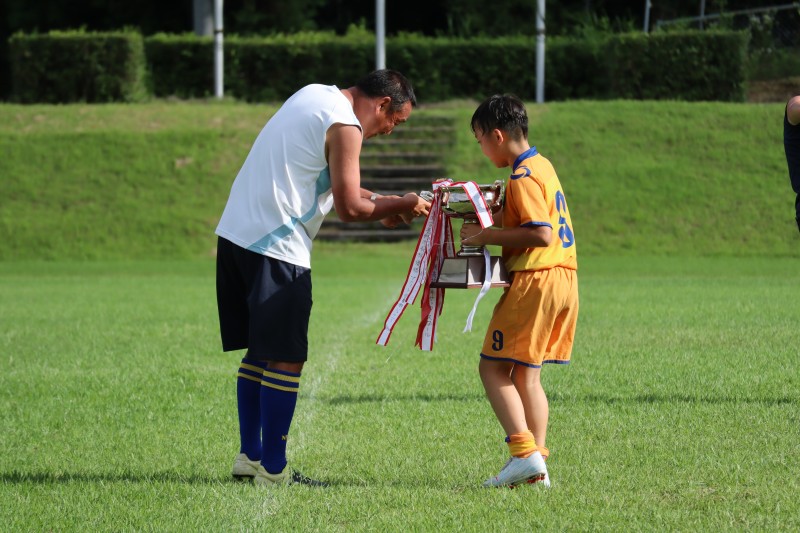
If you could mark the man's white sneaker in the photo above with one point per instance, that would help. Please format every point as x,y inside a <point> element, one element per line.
<point>263,477</point>
<point>287,477</point>
<point>517,470</point>
<point>244,468</point>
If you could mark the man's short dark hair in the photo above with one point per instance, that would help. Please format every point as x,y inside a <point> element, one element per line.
<point>504,112</point>
<point>385,82</point>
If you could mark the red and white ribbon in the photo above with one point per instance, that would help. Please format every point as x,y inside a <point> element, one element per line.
<point>478,202</point>
<point>434,245</point>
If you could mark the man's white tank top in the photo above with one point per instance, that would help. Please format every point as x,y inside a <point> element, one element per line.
<point>283,190</point>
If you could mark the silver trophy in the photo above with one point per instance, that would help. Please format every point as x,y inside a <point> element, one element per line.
<point>468,269</point>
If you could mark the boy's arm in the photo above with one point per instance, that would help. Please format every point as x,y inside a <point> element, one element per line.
<point>793,111</point>
<point>520,237</point>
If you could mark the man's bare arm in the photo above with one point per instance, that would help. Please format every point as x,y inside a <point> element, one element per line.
<point>343,149</point>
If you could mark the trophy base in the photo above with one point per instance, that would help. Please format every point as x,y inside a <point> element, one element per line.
<point>468,273</point>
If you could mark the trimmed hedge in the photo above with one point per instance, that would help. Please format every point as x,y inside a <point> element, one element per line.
<point>688,65</point>
<point>77,66</point>
<point>256,69</point>
<point>681,65</point>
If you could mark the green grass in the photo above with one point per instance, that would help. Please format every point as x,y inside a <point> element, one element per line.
<point>678,412</point>
<point>117,406</point>
<point>150,181</point>
<point>663,178</point>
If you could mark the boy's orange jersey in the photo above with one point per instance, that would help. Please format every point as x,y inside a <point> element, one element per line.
<point>534,198</point>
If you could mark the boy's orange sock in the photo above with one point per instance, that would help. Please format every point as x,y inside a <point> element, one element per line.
<point>544,451</point>
<point>521,444</point>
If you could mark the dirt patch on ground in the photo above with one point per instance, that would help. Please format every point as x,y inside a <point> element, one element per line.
<point>773,90</point>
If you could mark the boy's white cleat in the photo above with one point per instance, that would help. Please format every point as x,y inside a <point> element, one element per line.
<point>545,481</point>
<point>517,470</point>
<point>244,468</point>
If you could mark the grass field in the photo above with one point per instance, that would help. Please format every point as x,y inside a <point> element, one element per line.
<point>678,412</point>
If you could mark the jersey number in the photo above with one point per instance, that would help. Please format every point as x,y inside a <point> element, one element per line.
<point>497,338</point>
<point>564,231</point>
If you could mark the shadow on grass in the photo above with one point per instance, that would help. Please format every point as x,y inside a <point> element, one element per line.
<point>610,399</point>
<point>129,477</point>
<point>40,478</point>
<point>392,398</point>
<point>673,399</point>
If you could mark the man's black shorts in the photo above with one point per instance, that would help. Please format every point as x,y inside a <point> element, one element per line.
<point>264,304</point>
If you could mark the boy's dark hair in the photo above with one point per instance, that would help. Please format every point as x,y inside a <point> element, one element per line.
<point>504,112</point>
<point>385,82</point>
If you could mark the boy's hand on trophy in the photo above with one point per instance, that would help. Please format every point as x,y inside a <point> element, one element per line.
<point>470,234</point>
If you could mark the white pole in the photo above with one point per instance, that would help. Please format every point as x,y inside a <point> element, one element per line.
<point>540,51</point>
<point>218,58</point>
<point>646,16</point>
<point>380,34</point>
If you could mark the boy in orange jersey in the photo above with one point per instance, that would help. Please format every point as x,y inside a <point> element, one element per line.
<point>534,320</point>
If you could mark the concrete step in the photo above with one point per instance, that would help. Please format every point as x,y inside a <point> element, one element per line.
<point>415,130</point>
<point>401,158</point>
<point>390,142</point>
<point>399,185</point>
<point>335,229</point>
<point>409,170</point>
<point>368,235</point>
<point>408,160</point>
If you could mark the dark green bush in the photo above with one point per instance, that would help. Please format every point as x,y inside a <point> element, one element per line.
<point>256,68</point>
<point>76,66</point>
<point>180,65</point>
<point>681,65</point>
<point>687,65</point>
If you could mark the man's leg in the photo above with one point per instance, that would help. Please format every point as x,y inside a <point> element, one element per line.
<point>248,394</point>
<point>279,387</point>
<point>797,208</point>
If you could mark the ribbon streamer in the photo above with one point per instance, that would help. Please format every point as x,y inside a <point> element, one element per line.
<point>487,284</point>
<point>434,245</point>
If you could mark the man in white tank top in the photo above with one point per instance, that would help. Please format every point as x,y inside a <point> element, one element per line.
<point>304,162</point>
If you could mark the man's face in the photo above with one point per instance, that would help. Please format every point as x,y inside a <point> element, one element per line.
<point>386,119</point>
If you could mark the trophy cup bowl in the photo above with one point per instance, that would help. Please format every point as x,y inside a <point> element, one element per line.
<point>468,269</point>
<point>456,204</point>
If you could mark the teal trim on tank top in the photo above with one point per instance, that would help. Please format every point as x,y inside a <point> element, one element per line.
<point>263,244</point>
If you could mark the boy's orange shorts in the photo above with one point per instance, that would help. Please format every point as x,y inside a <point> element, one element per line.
<point>534,320</point>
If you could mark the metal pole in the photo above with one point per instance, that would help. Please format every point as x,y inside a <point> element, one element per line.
<point>702,12</point>
<point>647,15</point>
<point>540,33</point>
<point>203,15</point>
<point>218,58</point>
<point>380,34</point>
